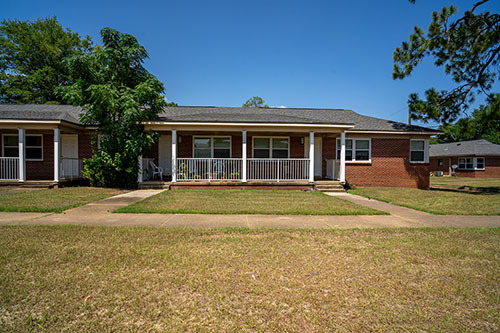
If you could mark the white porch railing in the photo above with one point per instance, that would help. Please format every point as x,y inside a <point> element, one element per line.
<point>332,169</point>
<point>9,168</point>
<point>193,169</point>
<point>71,168</point>
<point>278,169</point>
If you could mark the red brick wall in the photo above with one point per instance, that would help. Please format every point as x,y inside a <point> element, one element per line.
<point>491,169</point>
<point>42,170</point>
<point>185,147</point>
<point>390,167</point>
<point>236,142</point>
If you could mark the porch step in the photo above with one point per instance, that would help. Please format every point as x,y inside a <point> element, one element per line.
<point>328,186</point>
<point>154,185</point>
<point>38,184</point>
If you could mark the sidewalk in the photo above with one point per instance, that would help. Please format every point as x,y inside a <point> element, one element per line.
<point>99,213</point>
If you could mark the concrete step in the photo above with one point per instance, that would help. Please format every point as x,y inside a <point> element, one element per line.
<point>329,188</point>
<point>327,182</point>
<point>152,185</point>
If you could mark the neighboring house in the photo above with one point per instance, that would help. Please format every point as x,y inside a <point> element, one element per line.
<point>476,158</point>
<point>277,146</point>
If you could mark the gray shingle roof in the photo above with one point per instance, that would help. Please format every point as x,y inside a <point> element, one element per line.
<point>465,148</point>
<point>284,115</point>
<point>66,113</point>
<point>224,115</point>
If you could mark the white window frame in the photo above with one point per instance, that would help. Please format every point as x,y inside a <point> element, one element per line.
<point>474,163</point>
<point>369,160</point>
<point>212,144</point>
<point>271,146</point>
<point>25,146</point>
<point>426,151</point>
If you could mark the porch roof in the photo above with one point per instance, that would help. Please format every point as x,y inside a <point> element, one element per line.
<point>227,115</point>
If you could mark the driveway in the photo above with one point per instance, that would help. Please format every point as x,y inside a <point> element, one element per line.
<point>99,213</point>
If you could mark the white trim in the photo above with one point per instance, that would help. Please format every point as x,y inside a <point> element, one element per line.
<point>426,151</point>
<point>475,163</point>
<point>174,156</point>
<point>21,153</point>
<point>212,145</point>
<point>353,149</point>
<point>342,158</point>
<point>57,153</point>
<point>270,145</point>
<point>244,156</point>
<point>311,157</point>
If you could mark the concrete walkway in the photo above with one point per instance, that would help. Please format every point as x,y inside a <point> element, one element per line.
<point>99,213</point>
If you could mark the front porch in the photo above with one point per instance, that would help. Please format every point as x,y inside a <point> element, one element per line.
<point>41,155</point>
<point>229,158</point>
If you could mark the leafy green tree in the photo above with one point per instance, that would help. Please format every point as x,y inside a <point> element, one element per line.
<point>468,48</point>
<point>31,59</point>
<point>118,95</point>
<point>255,102</point>
<point>484,123</point>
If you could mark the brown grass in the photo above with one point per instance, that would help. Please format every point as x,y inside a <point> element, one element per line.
<point>52,200</point>
<point>246,202</point>
<point>150,279</point>
<point>435,202</point>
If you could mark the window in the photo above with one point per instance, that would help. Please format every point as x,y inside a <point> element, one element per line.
<point>356,150</point>
<point>212,147</point>
<point>480,163</point>
<point>34,150</point>
<point>270,147</point>
<point>440,162</point>
<point>33,146</point>
<point>471,163</point>
<point>10,146</point>
<point>418,151</point>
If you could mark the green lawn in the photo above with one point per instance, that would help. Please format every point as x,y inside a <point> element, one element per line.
<point>100,279</point>
<point>466,181</point>
<point>52,200</point>
<point>435,202</point>
<point>246,202</point>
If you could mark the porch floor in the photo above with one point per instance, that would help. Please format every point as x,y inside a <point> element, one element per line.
<point>320,185</point>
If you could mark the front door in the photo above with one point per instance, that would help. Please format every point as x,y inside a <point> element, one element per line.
<point>165,154</point>
<point>70,165</point>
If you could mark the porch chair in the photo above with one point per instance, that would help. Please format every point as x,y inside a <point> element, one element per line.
<point>156,170</point>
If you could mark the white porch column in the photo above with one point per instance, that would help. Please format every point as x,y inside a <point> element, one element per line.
<point>342,158</point>
<point>244,156</point>
<point>174,156</point>
<point>139,174</point>
<point>57,153</point>
<point>311,157</point>
<point>22,160</point>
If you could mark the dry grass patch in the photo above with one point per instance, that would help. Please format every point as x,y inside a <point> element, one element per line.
<point>52,200</point>
<point>435,202</point>
<point>246,202</point>
<point>152,279</point>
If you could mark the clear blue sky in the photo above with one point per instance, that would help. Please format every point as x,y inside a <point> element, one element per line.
<point>321,54</point>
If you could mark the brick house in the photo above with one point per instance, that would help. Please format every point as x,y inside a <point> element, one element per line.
<point>227,145</point>
<point>476,158</point>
